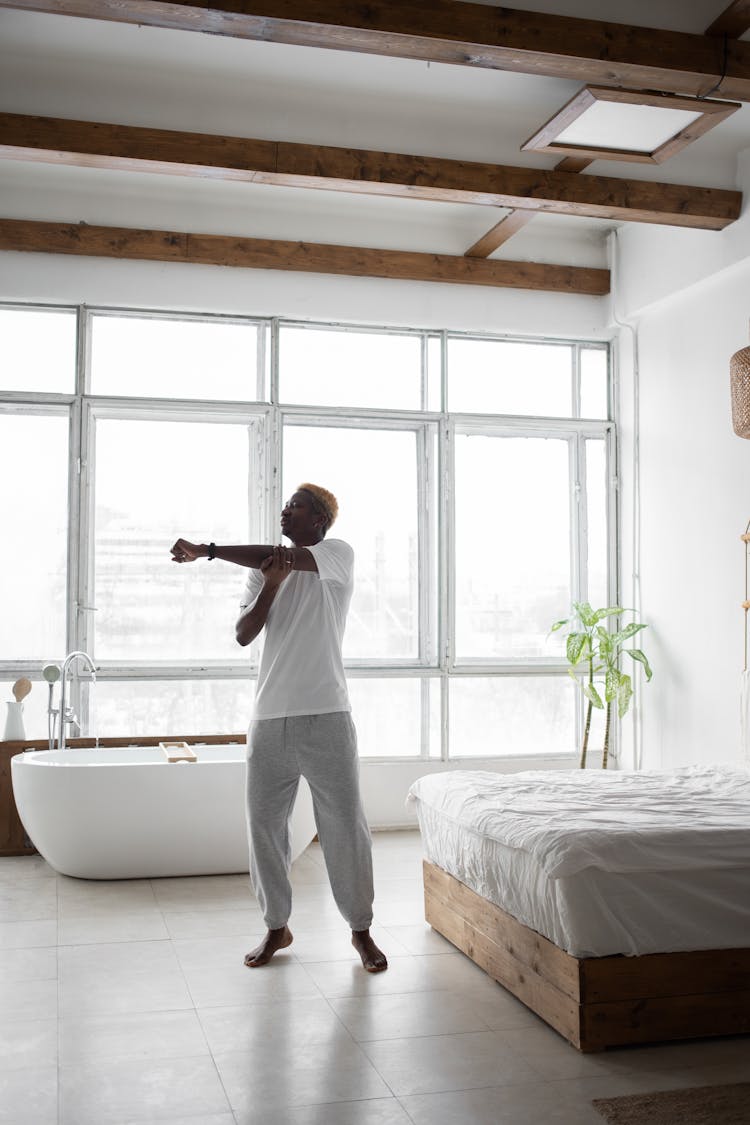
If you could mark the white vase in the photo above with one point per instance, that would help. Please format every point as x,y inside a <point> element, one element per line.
<point>14,729</point>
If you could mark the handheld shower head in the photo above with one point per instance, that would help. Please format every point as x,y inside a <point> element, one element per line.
<point>51,673</point>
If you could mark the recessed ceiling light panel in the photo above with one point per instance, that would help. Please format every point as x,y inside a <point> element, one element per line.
<point>610,124</point>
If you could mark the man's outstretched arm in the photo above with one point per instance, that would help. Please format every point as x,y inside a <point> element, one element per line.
<point>252,555</point>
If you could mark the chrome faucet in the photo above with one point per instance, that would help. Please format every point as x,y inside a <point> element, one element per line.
<point>67,714</point>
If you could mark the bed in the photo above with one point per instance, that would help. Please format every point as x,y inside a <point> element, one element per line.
<point>615,905</point>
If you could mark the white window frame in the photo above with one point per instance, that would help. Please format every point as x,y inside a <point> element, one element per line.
<point>435,429</point>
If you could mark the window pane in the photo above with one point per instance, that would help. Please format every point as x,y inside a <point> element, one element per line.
<point>147,708</point>
<point>503,377</point>
<point>512,544</point>
<point>387,714</point>
<point>434,373</point>
<point>502,716</point>
<point>157,481</point>
<point>594,371</point>
<point>33,563</point>
<point>596,494</point>
<point>334,368</point>
<point>158,358</point>
<point>38,350</point>
<point>373,474</point>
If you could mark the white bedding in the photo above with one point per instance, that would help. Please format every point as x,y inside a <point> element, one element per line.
<point>601,862</point>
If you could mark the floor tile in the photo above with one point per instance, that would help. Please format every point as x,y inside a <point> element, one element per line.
<point>447,1062</point>
<point>84,1039</point>
<point>552,1057</point>
<point>405,974</point>
<point>347,978</point>
<point>224,951</point>
<point>408,1014</point>
<point>110,927</point>
<point>26,869</point>
<point>27,1043</point>
<point>390,912</point>
<point>28,999</point>
<point>29,903</point>
<point>226,985</point>
<point>111,1091</point>
<point>108,959</point>
<point>420,938</point>
<point>28,964</point>
<point>306,872</point>
<point>375,1111</point>
<point>121,977</point>
<point>24,935</point>
<point>287,1074</point>
<point>202,1119</point>
<point>507,1105</point>
<point>299,1020</point>
<point>91,896</point>
<point>203,892</point>
<point>213,923</point>
<point>29,1097</point>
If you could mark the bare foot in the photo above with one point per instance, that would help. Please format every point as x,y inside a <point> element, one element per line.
<point>373,959</point>
<point>273,941</point>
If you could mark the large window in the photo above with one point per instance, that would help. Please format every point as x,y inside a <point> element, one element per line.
<point>475,482</point>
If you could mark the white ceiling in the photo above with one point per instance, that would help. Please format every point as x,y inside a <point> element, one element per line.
<point>76,68</point>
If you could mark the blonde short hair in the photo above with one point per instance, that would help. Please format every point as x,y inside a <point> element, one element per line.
<point>324,501</point>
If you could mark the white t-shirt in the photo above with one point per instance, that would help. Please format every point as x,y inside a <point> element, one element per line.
<point>301,669</point>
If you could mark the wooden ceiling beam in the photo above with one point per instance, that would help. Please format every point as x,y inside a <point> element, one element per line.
<point>90,144</point>
<point>514,221</point>
<point>467,34</point>
<point>262,253</point>
<point>733,22</point>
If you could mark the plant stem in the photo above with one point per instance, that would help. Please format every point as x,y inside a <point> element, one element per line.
<point>605,752</point>
<point>586,730</point>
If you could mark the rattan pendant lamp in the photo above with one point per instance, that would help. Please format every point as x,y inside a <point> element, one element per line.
<point>739,375</point>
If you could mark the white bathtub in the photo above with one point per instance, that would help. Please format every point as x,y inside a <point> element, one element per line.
<point>130,814</point>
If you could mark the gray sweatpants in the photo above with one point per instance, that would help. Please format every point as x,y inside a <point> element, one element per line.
<point>323,749</point>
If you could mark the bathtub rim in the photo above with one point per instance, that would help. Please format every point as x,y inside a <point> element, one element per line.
<point>67,757</point>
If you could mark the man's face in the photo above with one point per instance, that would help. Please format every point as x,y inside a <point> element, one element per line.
<point>298,518</point>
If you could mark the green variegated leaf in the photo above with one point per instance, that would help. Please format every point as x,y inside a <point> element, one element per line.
<point>641,658</point>
<point>559,624</point>
<point>610,611</point>
<point>585,612</point>
<point>611,684</point>
<point>624,695</point>
<point>628,631</point>
<point>575,646</point>
<point>605,641</point>
<point>591,693</point>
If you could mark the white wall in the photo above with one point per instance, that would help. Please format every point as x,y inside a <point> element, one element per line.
<point>60,278</point>
<point>695,500</point>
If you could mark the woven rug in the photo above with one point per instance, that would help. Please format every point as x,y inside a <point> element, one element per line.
<point>703,1105</point>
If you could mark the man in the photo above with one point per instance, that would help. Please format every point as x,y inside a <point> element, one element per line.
<point>301,724</point>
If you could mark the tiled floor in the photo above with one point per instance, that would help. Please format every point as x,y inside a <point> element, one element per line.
<point>127,1002</point>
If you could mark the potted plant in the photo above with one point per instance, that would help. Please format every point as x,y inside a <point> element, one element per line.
<point>593,653</point>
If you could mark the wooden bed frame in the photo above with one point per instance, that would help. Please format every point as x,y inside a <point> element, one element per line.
<point>594,1002</point>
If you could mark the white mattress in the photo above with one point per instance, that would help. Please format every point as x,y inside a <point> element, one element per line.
<point>600,862</point>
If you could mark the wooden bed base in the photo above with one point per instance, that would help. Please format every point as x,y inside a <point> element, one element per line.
<point>595,1002</point>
